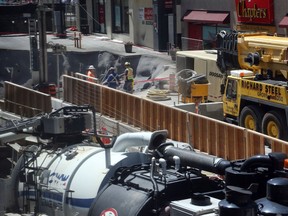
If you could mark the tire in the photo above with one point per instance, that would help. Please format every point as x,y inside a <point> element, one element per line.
<point>250,118</point>
<point>274,125</point>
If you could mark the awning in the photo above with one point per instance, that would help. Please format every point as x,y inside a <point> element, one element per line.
<point>284,22</point>
<point>206,17</point>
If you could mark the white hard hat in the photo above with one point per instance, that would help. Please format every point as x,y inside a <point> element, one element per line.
<point>91,67</point>
<point>111,69</point>
<point>127,63</point>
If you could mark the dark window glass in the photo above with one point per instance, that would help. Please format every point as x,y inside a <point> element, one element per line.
<point>120,16</point>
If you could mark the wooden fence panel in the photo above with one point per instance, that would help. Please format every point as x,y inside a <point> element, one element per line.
<point>234,143</point>
<point>279,146</point>
<point>80,92</point>
<point>205,134</point>
<point>162,117</point>
<point>120,97</point>
<point>194,123</point>
<point>94,95</point>
<point>107,102</point>
<point>24,101</point>
<point>178,124</point>
<point>146,115</point>
<point>68,87</point>
<point>173,124</point>
<point>137,112</point>
<point>123,108</point>
<point>130,107</point>
<point>217,138</point>
<point>212,137</point>
<point>222,139</point>
<point>152,114</point>
<point>256,143</point>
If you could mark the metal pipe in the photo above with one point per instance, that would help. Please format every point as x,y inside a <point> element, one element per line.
<point>198,160</point>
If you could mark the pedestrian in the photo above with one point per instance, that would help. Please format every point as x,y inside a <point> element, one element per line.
<point>129,78</point>
<point>113,79</point>
<point>91,74</point>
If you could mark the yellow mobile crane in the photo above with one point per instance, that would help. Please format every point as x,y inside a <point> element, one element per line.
<point>255,92</point>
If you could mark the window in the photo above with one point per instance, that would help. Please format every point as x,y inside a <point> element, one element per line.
<point>209,35</point>
<point>99,24</point>
<point>231,89</point>
<point>120,16</point>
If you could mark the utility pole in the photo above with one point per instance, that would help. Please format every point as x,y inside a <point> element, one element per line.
<point>34,53</point>
<point>43,73</point>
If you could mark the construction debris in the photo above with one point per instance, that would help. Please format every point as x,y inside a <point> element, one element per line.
<point>158,94</point>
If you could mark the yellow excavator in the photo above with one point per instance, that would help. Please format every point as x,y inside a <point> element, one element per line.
<point>255,91</point>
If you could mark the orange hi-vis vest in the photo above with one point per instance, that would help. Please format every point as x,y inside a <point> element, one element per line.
<point>90,75</point>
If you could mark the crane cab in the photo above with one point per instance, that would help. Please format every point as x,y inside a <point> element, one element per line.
<point>256,104</point>
<point>231,97</point>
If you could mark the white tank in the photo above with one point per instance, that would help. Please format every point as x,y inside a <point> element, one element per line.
<point>70,179</point>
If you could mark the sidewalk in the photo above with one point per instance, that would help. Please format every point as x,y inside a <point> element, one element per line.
<point>159,64</point>
<point>96,42</point>
<point>91,42</point>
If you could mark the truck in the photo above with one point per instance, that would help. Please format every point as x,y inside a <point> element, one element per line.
<point>255,67</point>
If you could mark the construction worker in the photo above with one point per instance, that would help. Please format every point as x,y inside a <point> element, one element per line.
<point>113,79</point>
<point>129,78</point>
<point>91,74</point>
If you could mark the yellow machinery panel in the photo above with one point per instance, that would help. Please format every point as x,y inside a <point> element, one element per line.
<point>261,90</point>
<point>199,90</point>
<point>199,93</point>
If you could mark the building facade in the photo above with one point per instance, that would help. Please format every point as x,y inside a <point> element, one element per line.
<point>143,22</point>
<point>202,19</point>
<point>157,24</point>
<point>186,24</point>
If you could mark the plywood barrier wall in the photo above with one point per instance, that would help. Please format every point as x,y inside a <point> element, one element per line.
<point>205,134</point>
<point>25,102</point>
<point>81,92</point>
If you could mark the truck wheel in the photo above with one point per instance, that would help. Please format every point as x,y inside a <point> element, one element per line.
<point>250,118</point>
<point>274,125</point>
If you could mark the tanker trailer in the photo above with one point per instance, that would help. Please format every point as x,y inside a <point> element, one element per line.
<point>63,172</point>
<point>65,181</point>
<point>165,178</point>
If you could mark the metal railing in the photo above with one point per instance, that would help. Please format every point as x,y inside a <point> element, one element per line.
<point>192,44</point>
<point>196,44</point>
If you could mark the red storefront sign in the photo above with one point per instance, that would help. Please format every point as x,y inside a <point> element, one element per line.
<point>148,13</point>
<point>255,11</point>
<point>168,3</point>
<point>101,11</point>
